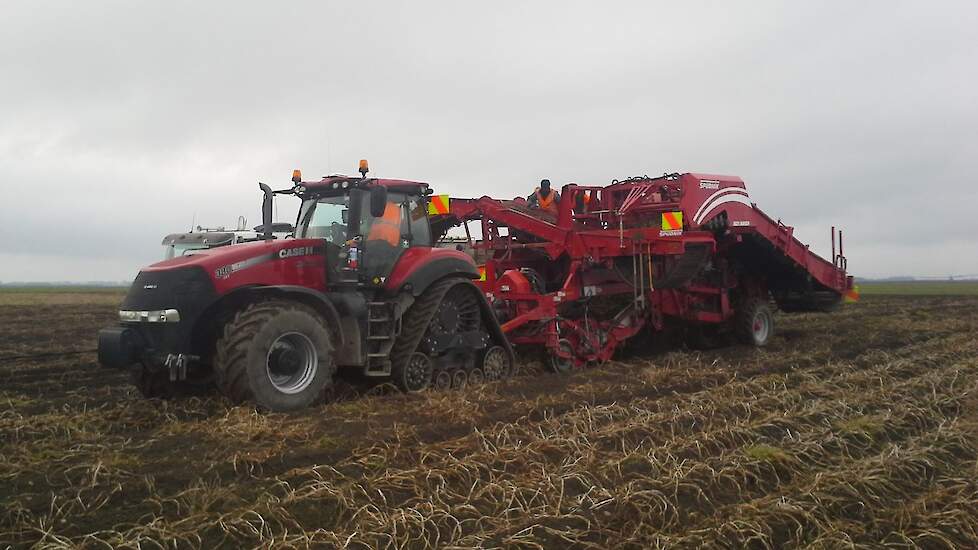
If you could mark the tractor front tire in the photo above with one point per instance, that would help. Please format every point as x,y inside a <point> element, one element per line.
<point>277,354</point>
<point>754,322</point>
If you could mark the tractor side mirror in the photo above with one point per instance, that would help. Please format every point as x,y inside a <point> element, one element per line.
<point>378,201</point>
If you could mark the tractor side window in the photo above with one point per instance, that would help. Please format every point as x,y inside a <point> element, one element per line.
<point>324,219</point>
<point>418,219</point>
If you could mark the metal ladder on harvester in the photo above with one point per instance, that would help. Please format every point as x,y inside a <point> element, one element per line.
<point>383,326</point>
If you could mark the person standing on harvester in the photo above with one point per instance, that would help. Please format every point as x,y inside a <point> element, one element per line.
<point>544,197</point>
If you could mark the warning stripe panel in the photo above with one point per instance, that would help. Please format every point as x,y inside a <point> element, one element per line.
<point>672,221</point>
<point>438,204</point>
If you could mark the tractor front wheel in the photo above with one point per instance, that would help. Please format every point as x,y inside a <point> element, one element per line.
<point>277,354</point>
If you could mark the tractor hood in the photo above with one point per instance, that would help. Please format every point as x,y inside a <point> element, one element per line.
<point>275,262</point>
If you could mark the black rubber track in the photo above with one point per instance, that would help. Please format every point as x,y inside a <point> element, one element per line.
<point>416,319</point>
<point>230,359</point>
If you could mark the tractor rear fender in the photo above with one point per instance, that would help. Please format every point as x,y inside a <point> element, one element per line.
<point>219,310</point>
<point>414,273</point>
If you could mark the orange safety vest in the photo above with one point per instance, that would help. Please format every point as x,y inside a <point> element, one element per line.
<point>547,203</point>
<point>387,227</point>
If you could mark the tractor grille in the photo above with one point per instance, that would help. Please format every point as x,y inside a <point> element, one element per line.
<point>188,290</point>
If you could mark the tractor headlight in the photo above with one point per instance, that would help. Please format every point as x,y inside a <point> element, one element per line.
<point>157,316</point>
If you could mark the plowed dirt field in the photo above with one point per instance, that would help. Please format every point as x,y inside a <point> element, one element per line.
<point>858,428</point>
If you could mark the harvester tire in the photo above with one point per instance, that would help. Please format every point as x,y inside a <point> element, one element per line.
<point>277,354</point>
<point>754,322</point>
<point>562,365</point>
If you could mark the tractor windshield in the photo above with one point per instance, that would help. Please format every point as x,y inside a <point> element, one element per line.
<point>324,218</point>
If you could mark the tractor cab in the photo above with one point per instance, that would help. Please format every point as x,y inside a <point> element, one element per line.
<point>366,224</point>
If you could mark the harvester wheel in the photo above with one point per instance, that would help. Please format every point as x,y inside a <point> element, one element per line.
<point>416,374</point>
<point>754,323</point>
<point>496,364</point>
<point>562,365</point>
<point>476,377</point>
<point>275,353</point>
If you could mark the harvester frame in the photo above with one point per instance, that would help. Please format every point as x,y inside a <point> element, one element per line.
<point>681,267</point>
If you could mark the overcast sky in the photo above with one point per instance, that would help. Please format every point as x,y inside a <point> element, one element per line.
<point>121,122</point>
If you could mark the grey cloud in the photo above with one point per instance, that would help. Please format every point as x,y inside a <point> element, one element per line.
<point>121,120</point>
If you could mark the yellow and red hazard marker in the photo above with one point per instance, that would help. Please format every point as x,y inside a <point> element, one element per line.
<point>851,295</point>
<point>672,221</point>
<point>482,273</point>
<point>438,204</point>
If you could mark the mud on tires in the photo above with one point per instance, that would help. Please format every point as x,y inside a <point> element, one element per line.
<point>277,354</point>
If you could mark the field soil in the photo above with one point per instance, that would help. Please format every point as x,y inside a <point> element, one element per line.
<point>853,429</point>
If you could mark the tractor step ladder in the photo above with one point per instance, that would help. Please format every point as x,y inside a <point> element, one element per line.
<point>383,327</point>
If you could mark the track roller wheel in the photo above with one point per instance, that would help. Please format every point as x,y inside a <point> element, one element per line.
<point>443,380</point>
<point>476,377</point>
<point>275,353</point>
<point>754,322</point>
<point>416,373</point>
<point>562,365</point>
<point>460,379</point>
<point>496,364</point>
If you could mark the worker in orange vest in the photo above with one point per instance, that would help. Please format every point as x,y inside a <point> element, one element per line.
<point>387,228</point>
<point>583,202</point>
<point>544,197</point>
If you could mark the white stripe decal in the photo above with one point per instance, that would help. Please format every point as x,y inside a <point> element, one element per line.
<point>708,199</point>
<point>729,198</point>
<point>707,204</point>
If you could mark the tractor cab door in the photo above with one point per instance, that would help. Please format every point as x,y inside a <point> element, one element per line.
<point>403,224</point>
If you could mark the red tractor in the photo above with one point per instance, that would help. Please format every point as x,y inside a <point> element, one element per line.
<point>361,288</point>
